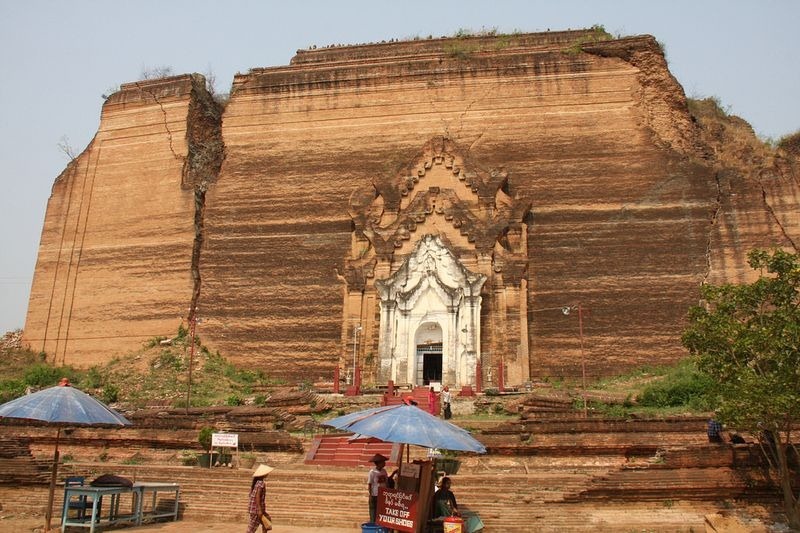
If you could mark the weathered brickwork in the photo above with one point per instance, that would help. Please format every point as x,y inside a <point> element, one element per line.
<point>589,183</point>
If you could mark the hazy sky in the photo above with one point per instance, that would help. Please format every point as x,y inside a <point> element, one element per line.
<point>58,57</point>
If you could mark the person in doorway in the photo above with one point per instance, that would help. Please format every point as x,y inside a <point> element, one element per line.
<point>257,509</point>
<point>446,403</point>
<point>432,402</point>
<point>376,479</point>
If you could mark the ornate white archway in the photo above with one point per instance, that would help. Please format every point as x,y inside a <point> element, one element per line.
<point>425,241</point>
<point>431,288</point>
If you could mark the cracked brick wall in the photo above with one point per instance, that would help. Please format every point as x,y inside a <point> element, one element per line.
<point>115,255</point>
<point>634,203</point>
<point>619,214</point>
<point>758,194</point>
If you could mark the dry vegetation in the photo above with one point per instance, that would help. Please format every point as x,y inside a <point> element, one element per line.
<point>156,374</point>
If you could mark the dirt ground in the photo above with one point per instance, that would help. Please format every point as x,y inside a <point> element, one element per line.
<point>35,525</point>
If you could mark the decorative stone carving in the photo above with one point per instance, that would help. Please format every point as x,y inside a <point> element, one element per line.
<point>432,236</point>
<point>431,287</point>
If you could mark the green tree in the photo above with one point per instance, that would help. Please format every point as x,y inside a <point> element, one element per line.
<point>205,437</point>
<point>747,339</point>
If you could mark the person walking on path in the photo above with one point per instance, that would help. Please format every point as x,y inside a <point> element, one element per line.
<point>256,507</point>
<point>376,479</point>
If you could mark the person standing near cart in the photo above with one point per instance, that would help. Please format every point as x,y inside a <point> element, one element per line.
<point>376,479</point>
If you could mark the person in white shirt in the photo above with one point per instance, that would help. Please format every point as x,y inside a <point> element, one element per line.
<point>446,403</point>
<point>376,479</point>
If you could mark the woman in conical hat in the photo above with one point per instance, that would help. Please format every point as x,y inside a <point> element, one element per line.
<point>256,507</point>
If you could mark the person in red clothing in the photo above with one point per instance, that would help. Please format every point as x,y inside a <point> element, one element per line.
<point>432,402</point>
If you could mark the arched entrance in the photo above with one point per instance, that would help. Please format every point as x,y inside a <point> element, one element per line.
<point>428,342</point>
<point>430,318</point>
<point>424,242</point>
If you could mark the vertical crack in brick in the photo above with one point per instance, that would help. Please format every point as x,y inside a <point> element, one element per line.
<point>712,228</point>
<point>771,211</point>
<point>468,108</point>
<point>206,151</point>
<point>199,235</point>
<point>154,96</point>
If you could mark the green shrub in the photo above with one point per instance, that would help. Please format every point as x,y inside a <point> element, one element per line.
<point>608,410</point>
<point>93,379</point>
<point>42,375</point>
<point>11,389</point>
<point>459,50</point>
<point>685,385</point>
<point>188,458</point>
<point>204,437</point>
<point>169,360</point>
<point>110,393</point>
<point>234,399</point>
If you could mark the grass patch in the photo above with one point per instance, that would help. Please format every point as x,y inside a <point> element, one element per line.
<point>653,391</point>
<point>487,416</point>
<point>156,373</point>
<point>597,33</point>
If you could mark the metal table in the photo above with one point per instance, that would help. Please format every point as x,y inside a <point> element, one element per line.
<point>153,513</point>
<point>138,513</point>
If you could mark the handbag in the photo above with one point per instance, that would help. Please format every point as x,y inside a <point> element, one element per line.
<point>266,523</point>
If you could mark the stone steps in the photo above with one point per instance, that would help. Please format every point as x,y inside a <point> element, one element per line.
<point>572,475</point>
<point>508,498</point>
<point>684,484</point>
<point>339,450</point>
<point>17,464</point>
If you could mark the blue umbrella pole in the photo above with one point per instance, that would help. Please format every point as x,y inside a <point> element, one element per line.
<point>49,514</point>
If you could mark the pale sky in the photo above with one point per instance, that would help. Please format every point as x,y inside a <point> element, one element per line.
<point>58,57</point>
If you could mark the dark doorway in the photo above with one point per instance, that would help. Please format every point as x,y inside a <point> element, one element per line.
<point>431,367</point>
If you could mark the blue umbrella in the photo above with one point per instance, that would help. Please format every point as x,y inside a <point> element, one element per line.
<point>407,424</point>
<point>61,406</point>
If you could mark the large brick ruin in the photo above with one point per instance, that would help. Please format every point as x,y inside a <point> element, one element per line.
<point>427,208</point>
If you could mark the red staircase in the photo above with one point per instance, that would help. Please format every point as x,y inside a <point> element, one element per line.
<point>418,395</point>
<point>338,450</point>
